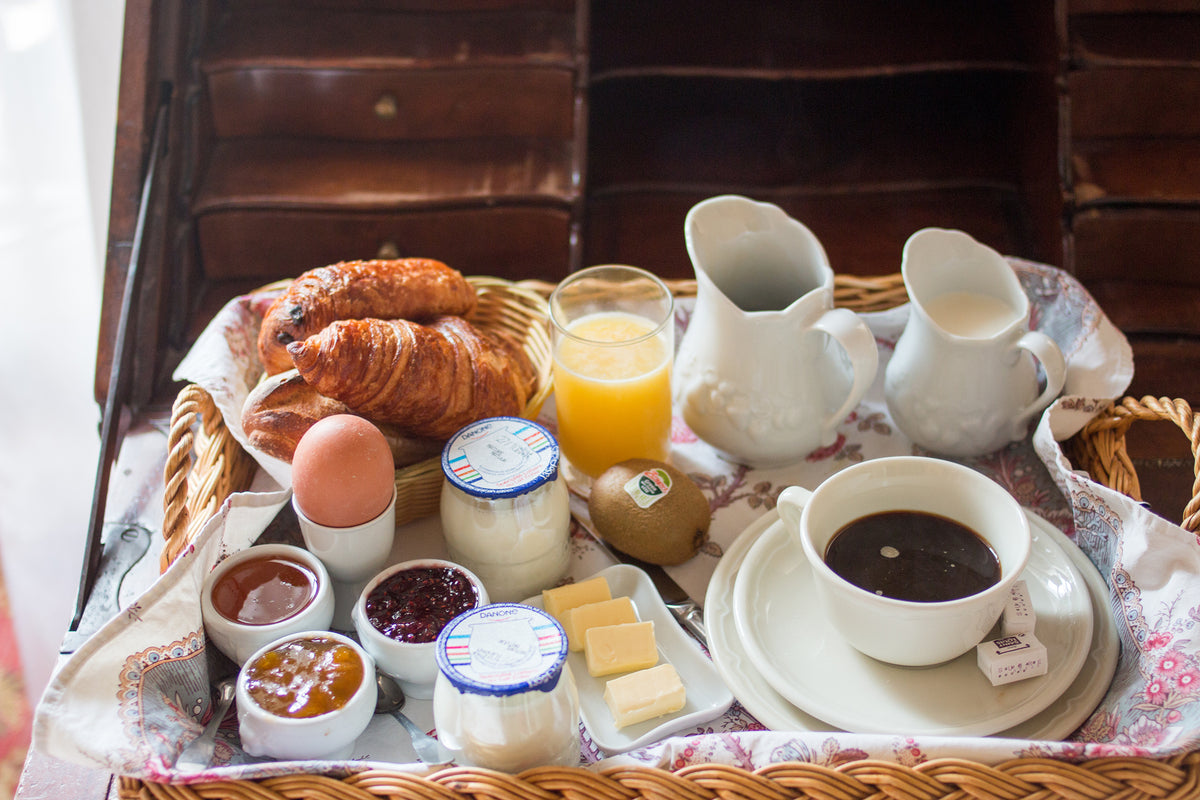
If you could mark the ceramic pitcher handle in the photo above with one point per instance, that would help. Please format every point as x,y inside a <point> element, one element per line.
<point>1045,350</point>
<point>859,343</point>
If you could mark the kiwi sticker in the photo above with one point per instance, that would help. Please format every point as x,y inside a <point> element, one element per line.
<point>647,488</point>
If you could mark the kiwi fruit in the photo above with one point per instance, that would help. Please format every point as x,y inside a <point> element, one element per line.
<point>650,510</point>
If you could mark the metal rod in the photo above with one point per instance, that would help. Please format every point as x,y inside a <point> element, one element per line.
<point>115,400</point>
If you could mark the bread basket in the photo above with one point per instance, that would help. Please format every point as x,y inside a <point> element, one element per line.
<point>1100,448</point>
<point>194,491</point>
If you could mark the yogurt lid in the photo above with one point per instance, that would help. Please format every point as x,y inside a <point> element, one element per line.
<point>500,457</point>
<point>502,649</point>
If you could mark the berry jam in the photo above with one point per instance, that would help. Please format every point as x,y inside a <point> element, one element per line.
<point>415,604</point>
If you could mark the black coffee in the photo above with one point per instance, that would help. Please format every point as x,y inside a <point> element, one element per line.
<point>912,555</point>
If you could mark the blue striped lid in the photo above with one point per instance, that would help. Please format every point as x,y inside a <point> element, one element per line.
<point>500,457</point>
<point>502,649</point>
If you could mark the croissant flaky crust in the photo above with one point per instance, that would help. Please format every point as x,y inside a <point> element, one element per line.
<point>281,409</point>
<point>428,379</point>
<point>406,288</point>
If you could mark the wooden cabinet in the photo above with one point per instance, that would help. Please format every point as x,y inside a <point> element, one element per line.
<point>865,119</point>
<point>527,138</point>
<point>1131,174</point>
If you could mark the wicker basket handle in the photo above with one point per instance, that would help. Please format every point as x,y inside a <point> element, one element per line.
<point>194,491</point>
<point>1102,452</point>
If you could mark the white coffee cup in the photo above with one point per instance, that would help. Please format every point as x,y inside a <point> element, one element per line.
<point>907,632</point>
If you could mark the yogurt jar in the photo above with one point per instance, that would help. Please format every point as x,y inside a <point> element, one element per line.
<point>505,509</point>
<point>505,698</point>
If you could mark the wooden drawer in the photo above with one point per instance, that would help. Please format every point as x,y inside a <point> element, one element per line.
<point>514,242</point>
<point>352,104</point>
<point>1135,102</point>
<point>1144,244</point>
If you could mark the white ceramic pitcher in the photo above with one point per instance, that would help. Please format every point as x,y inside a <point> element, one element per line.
<point>962,380</point>
<point>767,368</point>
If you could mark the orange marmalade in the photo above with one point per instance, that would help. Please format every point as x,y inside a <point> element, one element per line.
<point>305,677</point>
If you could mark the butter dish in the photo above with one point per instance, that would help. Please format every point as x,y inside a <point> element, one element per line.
<point>707,694</point>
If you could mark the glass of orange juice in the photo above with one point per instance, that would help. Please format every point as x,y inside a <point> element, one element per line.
<point>613,338</point>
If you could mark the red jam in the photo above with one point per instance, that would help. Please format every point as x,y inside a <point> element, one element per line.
<point>414,605</point>
<point>264,590</point>
<point>305,677</point>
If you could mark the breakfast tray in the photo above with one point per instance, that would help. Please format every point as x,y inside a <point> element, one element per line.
<point>202,459</point>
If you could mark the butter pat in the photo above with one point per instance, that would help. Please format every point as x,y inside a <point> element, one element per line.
<point>561,599</point>
<point>644,695</point>
<point>1011,658</point>
<point>1018,616</point>
<point>620,648</point>
<point>617,611</point>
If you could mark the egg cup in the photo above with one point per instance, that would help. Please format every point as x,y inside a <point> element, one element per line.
<point>354,553</point>
<point>239,640</point>
<point>412,664</point>
<point>328,736</point>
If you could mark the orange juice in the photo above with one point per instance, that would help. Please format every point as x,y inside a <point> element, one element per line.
<point>613,395</point>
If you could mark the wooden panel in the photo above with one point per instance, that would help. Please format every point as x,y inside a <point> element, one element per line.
<point>1151,245</point>
<point>797,39</point>
<point>388,104</point>
<point>1135,102</point>
<point>508,242</point>
<point>1157,171</point>
<point>863,233</point>
<point>285,173</point>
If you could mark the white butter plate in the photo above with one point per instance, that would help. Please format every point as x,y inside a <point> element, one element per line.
<point>707,694</point>
<point>793,672</point>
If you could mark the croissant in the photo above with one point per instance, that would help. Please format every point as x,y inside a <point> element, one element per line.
<point>428,380</point>
<point>407,288</point>
<point>280,409</point>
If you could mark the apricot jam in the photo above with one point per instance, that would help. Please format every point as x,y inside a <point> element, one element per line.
<point>305,677</point>
<point>265,590</point>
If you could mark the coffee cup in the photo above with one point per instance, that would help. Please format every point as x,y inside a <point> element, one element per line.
<point>866,533</point>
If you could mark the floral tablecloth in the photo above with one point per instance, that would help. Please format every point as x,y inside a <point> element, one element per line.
<point>134,694</point>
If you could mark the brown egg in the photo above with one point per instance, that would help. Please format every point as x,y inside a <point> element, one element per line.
<point>342,473</point>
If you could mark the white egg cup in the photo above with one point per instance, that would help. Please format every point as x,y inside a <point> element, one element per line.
<point>412,664</point>
<point>354,553</point>
<point>328,736</point>
<point>239,640</point>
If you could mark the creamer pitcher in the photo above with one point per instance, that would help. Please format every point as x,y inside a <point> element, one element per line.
<point>962,380</point>
<point>767,368</point>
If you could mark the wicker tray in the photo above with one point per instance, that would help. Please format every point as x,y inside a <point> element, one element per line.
<point>218,469</point>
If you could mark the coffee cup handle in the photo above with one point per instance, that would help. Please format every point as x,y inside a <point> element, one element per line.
<point>791,503</point>
<point>1045,350</point>
<point>853,335</point>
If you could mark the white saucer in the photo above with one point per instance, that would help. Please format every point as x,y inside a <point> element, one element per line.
<point>1049,708</point>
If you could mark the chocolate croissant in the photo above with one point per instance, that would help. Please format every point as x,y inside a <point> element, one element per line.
<point>407,288</point>
<point>428,380</point>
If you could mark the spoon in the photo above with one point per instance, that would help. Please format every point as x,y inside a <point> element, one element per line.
<point>199,752</point>
<point>389,700</point>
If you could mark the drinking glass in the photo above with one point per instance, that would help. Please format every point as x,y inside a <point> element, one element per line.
<point>613,341</point>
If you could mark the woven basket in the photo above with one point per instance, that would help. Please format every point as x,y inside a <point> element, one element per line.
<point>193,493</point>
<point>1100,443</point>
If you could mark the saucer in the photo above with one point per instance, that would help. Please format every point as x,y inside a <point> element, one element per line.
<point>784,663</point>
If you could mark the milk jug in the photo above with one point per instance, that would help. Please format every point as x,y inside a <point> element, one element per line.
<point>962,380</point>
<point>767,368</point>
